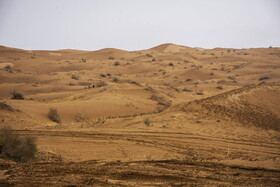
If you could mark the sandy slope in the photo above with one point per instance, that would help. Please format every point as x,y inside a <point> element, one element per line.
<point>170,102</point>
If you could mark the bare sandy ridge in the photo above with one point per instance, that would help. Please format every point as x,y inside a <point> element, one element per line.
<point>170,102</point>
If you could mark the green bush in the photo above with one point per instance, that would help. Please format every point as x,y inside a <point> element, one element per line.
<point>16,147</point>
<point>53,115</point>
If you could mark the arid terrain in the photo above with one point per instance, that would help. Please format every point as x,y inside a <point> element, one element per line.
<point>166,116</point>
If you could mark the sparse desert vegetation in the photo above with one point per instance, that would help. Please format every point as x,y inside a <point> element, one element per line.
<point>96,93</point>
<point>112,115</point>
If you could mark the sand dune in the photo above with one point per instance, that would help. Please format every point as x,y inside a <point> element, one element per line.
<point>214,107</point>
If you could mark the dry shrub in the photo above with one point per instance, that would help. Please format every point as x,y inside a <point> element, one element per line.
<point>102,75</point>
<point>171,64</point>
<point>79,117</point>
<point>147,122</point>
<point>76,77</point>
<point>199,93</point>
<point>16,147</point>
<point>117,63</point>
<point>4,106</point>
<point>53,115</point>
<point>220,87</point>
<point>100,84</point>
<point>17,95</point>
<point>161,100</point>
<point>134,82</point>
<point>7,67</point>
<point>115,79</point>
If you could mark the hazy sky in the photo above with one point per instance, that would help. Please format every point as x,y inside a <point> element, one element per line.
<point>138,24</point>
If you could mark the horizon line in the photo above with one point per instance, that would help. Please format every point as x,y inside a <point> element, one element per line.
<point>58,49</point>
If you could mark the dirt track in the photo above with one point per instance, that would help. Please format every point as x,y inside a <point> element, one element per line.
<point>180,143</point>
<point>176,158</point>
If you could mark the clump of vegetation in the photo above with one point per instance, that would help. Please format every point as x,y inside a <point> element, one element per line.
<point>134,82</point>
<point>117,63</point>
<point>263,78</point>
<point>17,95</point>
<point>102,75</point>
<point>79,117</point>
<point>231,77</point>
<point>220,87</point>
<point>8,67</point>
<point>16,147</point>
<point>84,60</point>
<point>171,64</point>
<point>147,122</point>
<point>192,154</point>
<point>71,84</point>
<point>166,84</point>
<point>115,79</point>
<point>84,83</point>
<point>100,84</point>
<point>111,58</point>
<point>76,77</point>
<point>4,106</point>
<point>149,55</point>
<point>221,81</point>
<point>199,93</point>
<point>161,100</point>
<point>187,90</point>
<point>53,115</point>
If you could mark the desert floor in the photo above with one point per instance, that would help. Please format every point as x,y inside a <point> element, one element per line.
<point>169,115</point>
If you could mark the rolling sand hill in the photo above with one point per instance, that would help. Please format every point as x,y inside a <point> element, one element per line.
<point>167,115</point>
